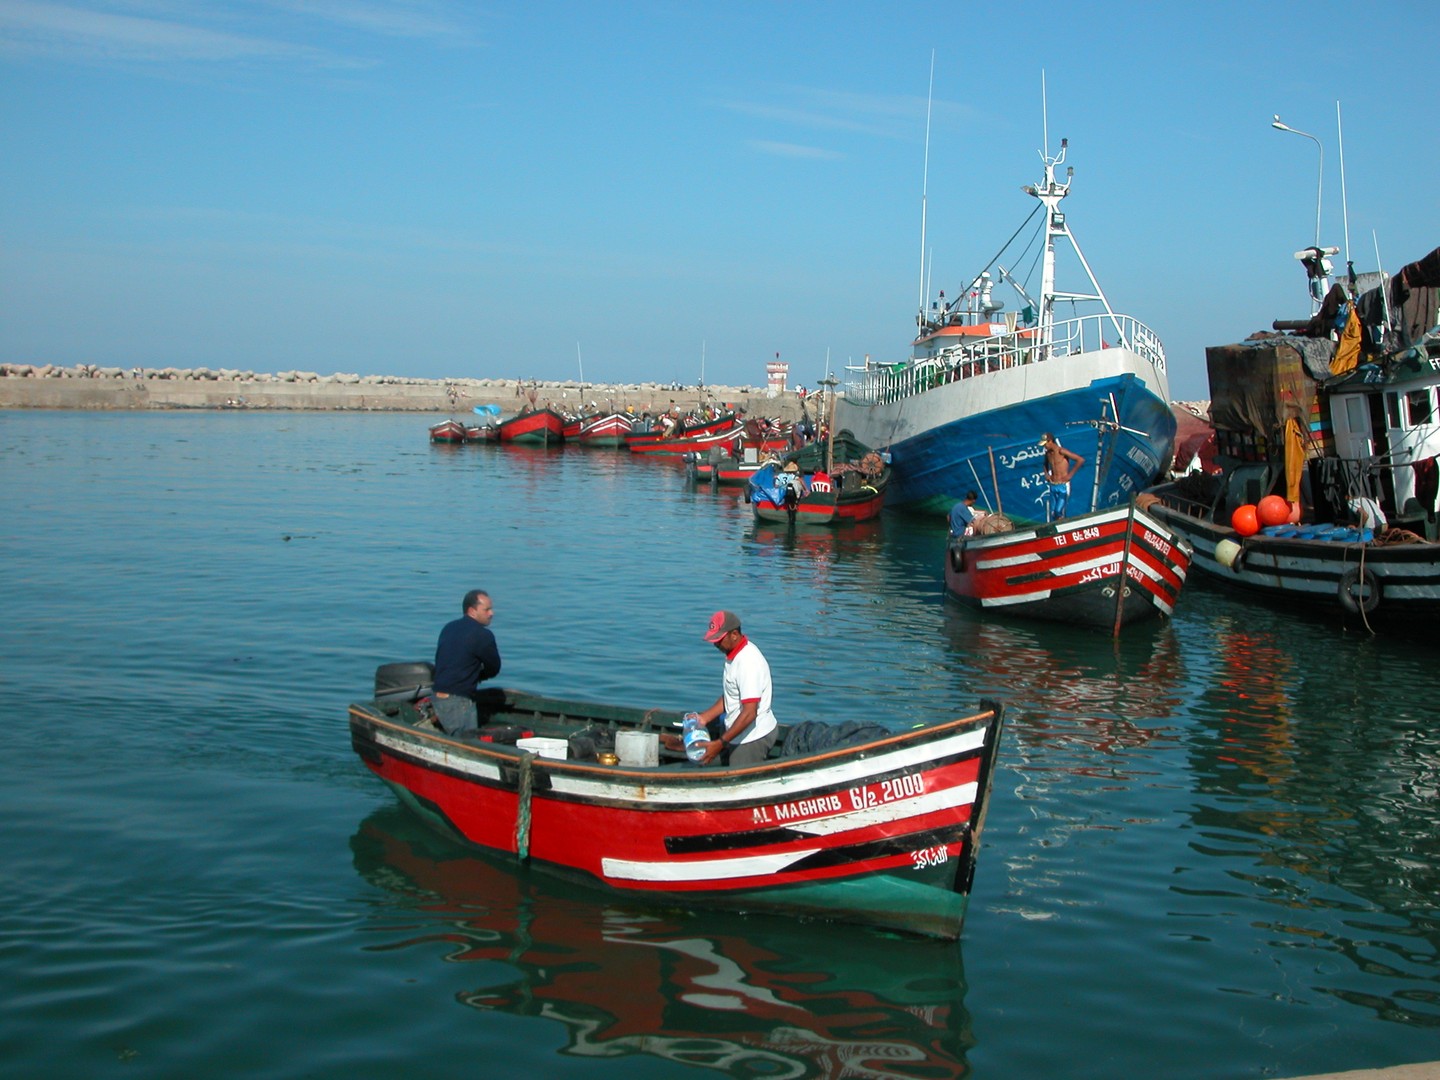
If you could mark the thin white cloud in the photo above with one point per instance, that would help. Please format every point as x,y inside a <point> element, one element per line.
<point>92,34</point>
<point>794,150</point>
<point>177,31</point>
<point>886,116</point>
<point>425,19</point>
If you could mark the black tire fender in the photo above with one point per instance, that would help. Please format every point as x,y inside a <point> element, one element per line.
<point>1359,591</point>
<point>957,558</point>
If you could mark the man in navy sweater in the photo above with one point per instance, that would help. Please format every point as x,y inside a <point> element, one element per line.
<point>465,654</point>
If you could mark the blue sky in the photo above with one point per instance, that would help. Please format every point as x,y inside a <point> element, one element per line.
<point>418,187</point>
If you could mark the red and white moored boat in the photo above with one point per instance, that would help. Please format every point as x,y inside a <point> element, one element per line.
<point>639,441</point>
<point>607,431</point>
<point>542,426</point>
<point>700,443</point>
<point>1104,569</point>
<point>448,431</point>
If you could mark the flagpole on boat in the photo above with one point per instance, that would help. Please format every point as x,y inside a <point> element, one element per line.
<point>830,382</point>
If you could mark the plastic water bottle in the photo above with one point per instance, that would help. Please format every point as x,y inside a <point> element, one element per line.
<point>696,736</point>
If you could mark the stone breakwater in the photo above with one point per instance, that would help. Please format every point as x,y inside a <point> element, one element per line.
<point>48,386</point>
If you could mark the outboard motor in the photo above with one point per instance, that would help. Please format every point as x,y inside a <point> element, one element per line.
<point>404,682</point>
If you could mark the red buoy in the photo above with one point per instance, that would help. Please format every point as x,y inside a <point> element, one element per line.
<point>1245,520</point>
<point>1273,510</point>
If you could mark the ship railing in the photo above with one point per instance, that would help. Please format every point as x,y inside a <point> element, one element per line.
<point>878,384</point>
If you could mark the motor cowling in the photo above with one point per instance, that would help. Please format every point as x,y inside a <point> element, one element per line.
<point>404,682</point>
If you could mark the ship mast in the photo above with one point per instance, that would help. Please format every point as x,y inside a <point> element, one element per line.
<point>1050,193</point>
<point>924,193</point>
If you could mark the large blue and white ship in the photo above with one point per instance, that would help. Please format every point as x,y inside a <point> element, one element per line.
<point>968,409</point>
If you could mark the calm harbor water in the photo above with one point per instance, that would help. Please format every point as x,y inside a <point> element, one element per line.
<point>1213,851</point>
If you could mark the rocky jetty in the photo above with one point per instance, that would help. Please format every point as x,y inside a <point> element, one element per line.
<point>86,386</point>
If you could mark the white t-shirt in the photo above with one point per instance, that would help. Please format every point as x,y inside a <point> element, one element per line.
<point>1369,513</point>
<point>747,678</point>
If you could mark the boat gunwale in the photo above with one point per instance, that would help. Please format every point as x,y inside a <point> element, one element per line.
<point>677,771</point>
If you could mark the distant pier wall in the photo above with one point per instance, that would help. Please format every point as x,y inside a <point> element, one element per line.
<point>27,386</point>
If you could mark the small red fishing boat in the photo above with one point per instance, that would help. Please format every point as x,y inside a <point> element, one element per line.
<point>821,484</point>
<point>725,468</point>
<point>851,822</point>
<point>638,441</point>
<point>699,443</point>
<point>451,432</point>
<point>540,426</point>
<point>1103,569</point>
<point>605,431</point>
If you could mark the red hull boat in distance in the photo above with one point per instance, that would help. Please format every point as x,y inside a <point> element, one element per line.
<point>1103,569</point>
<point>675,446</point>
<point>451,432</point>
<point>637,441</point>
<point>716,466</point>
<point>541,426</point>
<point>605,431</point>
<point>850,822</point>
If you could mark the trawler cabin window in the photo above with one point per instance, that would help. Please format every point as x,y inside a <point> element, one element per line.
<point>1419,407</point>
<point>1355,414</point>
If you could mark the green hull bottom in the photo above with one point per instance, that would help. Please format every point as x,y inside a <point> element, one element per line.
<point>916,902</point>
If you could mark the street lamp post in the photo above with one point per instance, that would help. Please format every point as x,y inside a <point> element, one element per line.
<point>1320,183</point>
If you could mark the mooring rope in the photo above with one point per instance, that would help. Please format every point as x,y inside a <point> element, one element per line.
<point>522,815</point>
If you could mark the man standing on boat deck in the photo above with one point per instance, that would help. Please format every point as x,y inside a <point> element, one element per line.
<point>465,654</point>
<point>1060,467</point>
<point>744,702</point>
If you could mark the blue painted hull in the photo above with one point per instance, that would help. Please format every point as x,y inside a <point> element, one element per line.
<point>933,469</point>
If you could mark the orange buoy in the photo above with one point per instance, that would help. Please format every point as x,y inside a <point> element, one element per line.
<point>1245,520</point>
<point>1273,510</point>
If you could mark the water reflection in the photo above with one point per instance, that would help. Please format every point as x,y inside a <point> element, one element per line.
<point>746,997</point>
<point>1321,801</point>
<point>1066,686</point>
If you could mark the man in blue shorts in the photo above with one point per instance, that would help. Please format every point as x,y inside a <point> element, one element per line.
<point>1061,465</point>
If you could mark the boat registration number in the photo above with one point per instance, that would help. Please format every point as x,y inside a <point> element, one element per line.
<point>897,787</point>
<point>1091,532</point>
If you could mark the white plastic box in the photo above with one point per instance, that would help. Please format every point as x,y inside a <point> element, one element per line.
<point>558,749</point>
<point>638,748</point>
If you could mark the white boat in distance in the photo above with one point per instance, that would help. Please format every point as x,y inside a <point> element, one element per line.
<point>967,411</point>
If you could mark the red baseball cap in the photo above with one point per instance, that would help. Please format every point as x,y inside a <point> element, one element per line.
<point>721,623</point>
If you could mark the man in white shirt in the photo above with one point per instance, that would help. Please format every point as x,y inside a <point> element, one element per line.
<point>744,702</point>
<point>1368,513</point>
